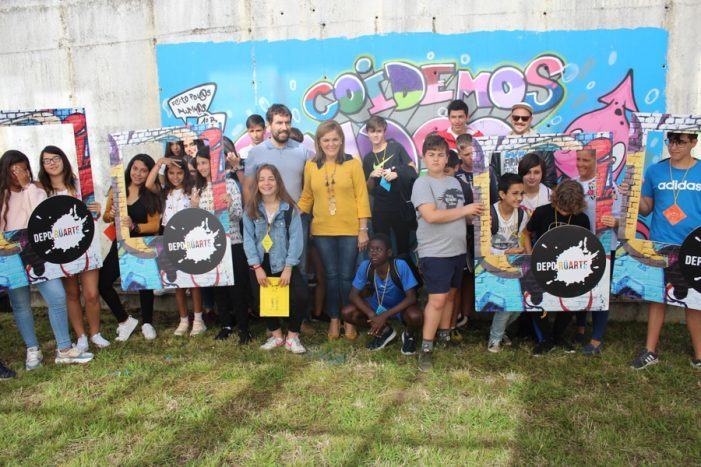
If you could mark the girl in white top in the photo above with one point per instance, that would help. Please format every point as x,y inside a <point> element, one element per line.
<point>57,178</point>
<point>176,193</point>
<point>532,169</point>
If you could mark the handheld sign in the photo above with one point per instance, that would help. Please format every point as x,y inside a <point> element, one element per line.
<point>195,241</point>
<point>690,259</point>
<point>61,229</point>
<point>274,299</point>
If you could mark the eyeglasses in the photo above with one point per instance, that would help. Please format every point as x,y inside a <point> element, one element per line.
<point>376,250</point>
<point>522,118</point>
<point>51,160</point>
<point>675,142</point>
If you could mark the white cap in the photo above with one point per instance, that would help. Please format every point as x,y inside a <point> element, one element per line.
<point>522,105</point>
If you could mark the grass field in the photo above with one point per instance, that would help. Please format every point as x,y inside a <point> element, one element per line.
<point>195,400</point>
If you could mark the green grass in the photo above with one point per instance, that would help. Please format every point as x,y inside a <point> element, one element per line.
<point>180,400</point>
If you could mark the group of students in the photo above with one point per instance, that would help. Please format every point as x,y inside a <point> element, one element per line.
<point>292,210</point>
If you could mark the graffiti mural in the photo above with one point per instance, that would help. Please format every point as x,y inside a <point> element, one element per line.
<point>644,269</point>
<point>144,262</point>
<point>20,265</point>
<point>410,78</point>
<point>506,282</point>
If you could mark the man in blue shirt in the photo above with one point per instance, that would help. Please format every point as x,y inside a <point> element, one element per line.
<point>384,287</point>
<point>671,191</point>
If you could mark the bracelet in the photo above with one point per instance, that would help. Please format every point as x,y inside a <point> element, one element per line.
<point>255,266</point>
<point>363,229</point>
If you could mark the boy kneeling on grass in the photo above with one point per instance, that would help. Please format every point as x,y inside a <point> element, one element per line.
<point>441,238</point>
<point>384,287</point>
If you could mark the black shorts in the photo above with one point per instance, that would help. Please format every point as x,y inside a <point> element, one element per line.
<point>441,274</point>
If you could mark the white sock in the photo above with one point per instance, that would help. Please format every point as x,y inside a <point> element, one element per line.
<point>198,316</point>
<point>184,319</point>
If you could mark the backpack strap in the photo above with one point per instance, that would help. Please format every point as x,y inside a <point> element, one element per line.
<point>288,221</point>
<point>394,274</point>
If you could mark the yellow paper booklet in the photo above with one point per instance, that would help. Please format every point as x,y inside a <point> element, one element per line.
<point>275,300</point>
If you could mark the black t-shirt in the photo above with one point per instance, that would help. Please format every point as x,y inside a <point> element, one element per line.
<point>545,218</point>
<point>396,157</point>
<point>138,215</point>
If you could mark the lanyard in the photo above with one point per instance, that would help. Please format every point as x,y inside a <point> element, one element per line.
<point>675,191</point>
<point>384,289</point>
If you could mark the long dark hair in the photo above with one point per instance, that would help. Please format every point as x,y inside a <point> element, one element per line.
<point>151,202</point>
<point>187,179</point>
<point>169,150</point>
<point>8,159</point>
<point>200,181</point>
<point>254,197</point>
<point>69,178</point>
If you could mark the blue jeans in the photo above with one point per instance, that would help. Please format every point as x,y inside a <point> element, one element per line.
<point>500,322</point>
<point>55,298</point>
<point>338,253</point>
<point>599,320</point>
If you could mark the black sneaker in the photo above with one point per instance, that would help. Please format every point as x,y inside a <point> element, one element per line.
<point>6,373</point>
<point>542,348</point>
<point>565,345</point>
<point>224,334</point>
<point>696,364</point>
<point>408,343</point>
<point>425,360</point>
<point>245,337</point>
<point>383,339</point>
<point>644,359</point>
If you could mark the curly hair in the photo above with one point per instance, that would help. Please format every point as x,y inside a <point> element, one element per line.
<point>568,197</point>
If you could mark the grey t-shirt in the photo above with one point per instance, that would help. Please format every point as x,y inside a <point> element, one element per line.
<point>289,161</point>
<point>439,240</point>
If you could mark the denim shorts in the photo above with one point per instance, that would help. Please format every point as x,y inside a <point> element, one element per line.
<point>442,274</point>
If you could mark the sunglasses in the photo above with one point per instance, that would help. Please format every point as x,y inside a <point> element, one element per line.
<point>517,118</point>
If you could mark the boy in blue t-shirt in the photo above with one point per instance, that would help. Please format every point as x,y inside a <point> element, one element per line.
<point>384,287</point>
<point>671,191</point>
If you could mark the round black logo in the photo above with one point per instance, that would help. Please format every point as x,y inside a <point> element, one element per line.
<point>690,259</point>
<point>194,241</point>
<point>61,229</point>
<point>568,261</point>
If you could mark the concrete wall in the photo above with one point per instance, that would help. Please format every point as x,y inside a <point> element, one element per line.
<point>100,54</point>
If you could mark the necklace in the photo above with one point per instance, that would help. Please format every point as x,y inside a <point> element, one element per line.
<point>384,289</point>
<point>330,185</point>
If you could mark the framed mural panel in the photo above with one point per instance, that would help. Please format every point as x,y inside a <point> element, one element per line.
<point>541,281</point>
<point>61,239</point>
<point>646,269</point>
<point>194,250</point>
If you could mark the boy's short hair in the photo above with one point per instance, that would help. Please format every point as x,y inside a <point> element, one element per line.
<point>458,105</point>
<point>380,237</point>
<point>464,140</point>
<point>530,160</point>
<point>296,135</point>
<point>507,180</point>
<point>376,123</point>
<point>255,120</point>
<point>676,136</point>
<point>434,141</point>
<point>453,160</point>
<point>588,152</point>
<point>277,109</point>
<point>568,197</point>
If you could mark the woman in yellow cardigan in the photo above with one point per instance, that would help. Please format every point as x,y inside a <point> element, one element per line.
<point>335,193</point>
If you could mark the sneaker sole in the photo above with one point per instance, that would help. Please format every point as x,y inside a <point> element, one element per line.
<point>31,368</point>
<point>387,341</point>
<point>646,365</point>
<point>131,331</point>
<point>493,350</point>
<point>70,361</point>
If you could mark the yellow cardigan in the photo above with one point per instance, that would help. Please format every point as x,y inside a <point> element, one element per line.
<point>351,193</point>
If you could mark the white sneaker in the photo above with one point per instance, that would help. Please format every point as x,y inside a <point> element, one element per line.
<point>294,345</point>
<point>99,341</point>
<point>181,330</point>
<point>273,342</point>
<point>82,343</point>
<point>72,355</point>
<point>148,331</point>
<point>198,327</point>
<point>34,358</point>
<point>125,329</point>
<point>494,347</point>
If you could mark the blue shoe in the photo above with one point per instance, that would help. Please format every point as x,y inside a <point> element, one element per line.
<point>591,349</point>
<point>644,359</point>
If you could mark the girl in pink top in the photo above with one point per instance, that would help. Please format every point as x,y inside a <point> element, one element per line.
<point>19,195</point>
<point>56,177</point>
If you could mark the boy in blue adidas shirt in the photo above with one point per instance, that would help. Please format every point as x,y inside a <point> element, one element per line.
<point>384,287</point>
<point>671,192</point>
